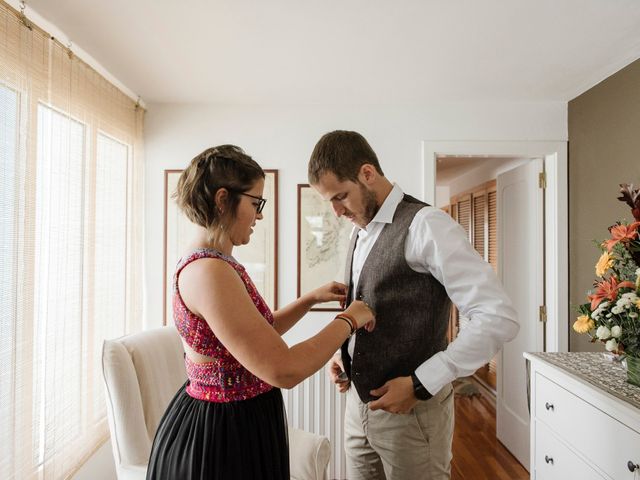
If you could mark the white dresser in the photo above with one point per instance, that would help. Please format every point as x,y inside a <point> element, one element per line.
<point>585,418</point>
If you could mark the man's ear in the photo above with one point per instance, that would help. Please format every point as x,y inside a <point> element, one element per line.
<point>368,174</point>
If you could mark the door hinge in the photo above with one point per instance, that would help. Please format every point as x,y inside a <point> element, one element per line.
<point>542,180</point>
<point>543,313</point>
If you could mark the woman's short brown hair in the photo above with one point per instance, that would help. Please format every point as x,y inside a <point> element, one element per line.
<point>224,166</point>
<point>342,153</point>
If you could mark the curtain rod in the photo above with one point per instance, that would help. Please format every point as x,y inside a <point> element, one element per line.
<point>33,20</point>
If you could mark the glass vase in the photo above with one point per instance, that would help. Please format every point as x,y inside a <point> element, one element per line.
<point>633,371</point>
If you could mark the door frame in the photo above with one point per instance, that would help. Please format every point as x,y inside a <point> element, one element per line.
<point>556,221</point>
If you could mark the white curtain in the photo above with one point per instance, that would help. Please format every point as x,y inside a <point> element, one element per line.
<point>70,247</point>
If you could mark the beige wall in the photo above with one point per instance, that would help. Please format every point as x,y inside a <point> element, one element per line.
<point>604,151</point>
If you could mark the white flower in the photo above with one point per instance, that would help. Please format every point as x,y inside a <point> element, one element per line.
<point>599,311</point>
<point>611,345</point>
<point>603,332</point>
<point>633,315</point>
<point>622,302</point>
<point>616,310</point>
<point>605,304</point>
<point>616,331</point>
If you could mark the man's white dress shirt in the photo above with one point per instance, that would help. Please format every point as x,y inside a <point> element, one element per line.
<point>436,244</point>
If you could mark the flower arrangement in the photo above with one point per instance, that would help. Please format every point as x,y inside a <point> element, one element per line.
<point>612,315</point>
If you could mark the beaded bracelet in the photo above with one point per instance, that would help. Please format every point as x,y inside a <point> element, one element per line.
<point>349,322</point>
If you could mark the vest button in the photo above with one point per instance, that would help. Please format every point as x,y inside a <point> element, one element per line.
<point>357,374</point>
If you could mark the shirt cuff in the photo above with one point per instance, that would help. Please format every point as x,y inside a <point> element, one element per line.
<point>435,374</point>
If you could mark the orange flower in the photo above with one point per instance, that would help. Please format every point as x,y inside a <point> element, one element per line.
<point>622,233</point>
<point>607,289</point>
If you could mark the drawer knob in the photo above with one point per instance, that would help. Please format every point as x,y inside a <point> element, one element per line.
<point>632,466</point>
<point>549,459</point>
<point>548,406</point>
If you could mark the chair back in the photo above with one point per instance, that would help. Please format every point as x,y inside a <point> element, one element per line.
<point>142,372</point>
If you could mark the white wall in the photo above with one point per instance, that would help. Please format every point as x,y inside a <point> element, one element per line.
<point>283,138</point>
<point>443,195</point>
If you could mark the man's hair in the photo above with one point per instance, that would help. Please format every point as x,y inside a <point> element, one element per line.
<point>224,166</point>
<point>342,153</point>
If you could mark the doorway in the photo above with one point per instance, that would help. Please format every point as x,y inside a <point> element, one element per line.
<point>525,161</point>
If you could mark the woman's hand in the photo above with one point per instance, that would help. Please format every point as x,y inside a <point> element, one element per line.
<point>330,292</point>
<point>362,314</point>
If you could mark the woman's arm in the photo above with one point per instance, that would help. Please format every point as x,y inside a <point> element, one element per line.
<point>288,316</point>
<point>212,289</point>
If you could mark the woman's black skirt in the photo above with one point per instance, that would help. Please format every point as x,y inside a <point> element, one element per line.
<point>199,440</point>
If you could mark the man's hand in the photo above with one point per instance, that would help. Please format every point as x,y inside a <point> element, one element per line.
<point>396,396</point>
<point>335,369</point>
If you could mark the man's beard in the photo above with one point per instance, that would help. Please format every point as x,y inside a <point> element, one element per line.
<point>369,203</point>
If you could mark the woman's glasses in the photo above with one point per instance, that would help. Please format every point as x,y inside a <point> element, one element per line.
<point>261,201</point>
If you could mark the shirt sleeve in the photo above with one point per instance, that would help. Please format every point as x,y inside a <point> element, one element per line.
<point>438,245</point>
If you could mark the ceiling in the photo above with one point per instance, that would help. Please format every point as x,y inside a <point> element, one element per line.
<point>449,167</point>
<point>352,52</point>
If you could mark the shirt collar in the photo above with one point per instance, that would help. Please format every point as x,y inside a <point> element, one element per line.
<point>388,207</point>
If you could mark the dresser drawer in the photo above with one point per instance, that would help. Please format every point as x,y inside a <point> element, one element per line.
<point>603,440</point>
<point>554,461</point>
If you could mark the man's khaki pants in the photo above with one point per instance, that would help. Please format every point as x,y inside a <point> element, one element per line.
<point>414,446</point>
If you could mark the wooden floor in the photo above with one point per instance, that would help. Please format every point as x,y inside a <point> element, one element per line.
<point>477,454</point>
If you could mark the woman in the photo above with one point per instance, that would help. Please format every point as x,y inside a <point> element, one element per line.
<point>228,420</point>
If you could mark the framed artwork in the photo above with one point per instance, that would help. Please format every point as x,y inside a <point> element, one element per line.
<point>259,256</point>
<point>323,241</point>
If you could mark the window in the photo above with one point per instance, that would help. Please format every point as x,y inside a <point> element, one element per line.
<point>109,253</point>
<point>70,246</point>
<point>58,282</point>
<point>8,244</point>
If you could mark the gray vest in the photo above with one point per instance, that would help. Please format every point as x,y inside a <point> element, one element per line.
<point>412,309</point>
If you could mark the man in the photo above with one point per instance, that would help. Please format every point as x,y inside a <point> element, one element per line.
<point>408,261</point>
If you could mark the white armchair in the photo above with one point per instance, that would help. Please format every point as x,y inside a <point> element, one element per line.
<point>142,373</point>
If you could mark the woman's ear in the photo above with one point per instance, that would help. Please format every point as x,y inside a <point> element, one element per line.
<point>221,197</point>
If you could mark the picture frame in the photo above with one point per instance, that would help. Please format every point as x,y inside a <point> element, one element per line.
<point>323,241</point>
<point>259,256</point>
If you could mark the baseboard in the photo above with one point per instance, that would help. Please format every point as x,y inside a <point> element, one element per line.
<point>485,390</point>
